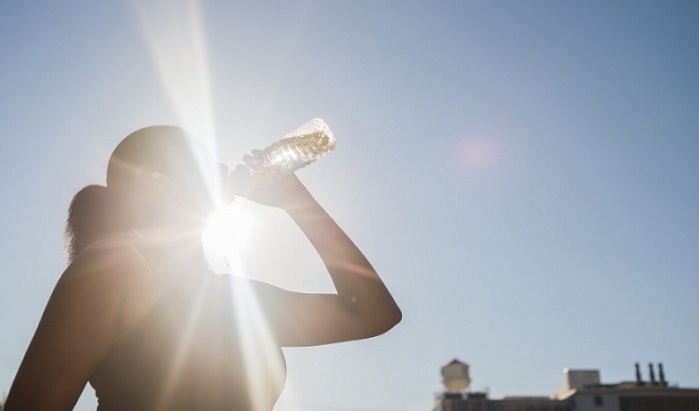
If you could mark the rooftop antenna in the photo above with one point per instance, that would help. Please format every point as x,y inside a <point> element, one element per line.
<point>639,380</point>
<point>661,375</point>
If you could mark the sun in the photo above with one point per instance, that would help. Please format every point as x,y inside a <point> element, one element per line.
<point>228,236</point>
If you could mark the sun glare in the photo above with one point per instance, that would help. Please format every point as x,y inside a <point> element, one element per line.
<point>227,237</point>
<point>174,32</point>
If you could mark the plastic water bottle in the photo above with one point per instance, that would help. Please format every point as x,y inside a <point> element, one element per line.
<point>295,150</point>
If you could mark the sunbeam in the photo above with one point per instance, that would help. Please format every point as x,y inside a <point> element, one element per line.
<point>174,33</point>
<point>175,372</point>
<point>176,39</point>
<point>260,353</point>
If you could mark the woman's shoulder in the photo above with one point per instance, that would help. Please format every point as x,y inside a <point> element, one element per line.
<point>111,260</point>
<point>113,272</point>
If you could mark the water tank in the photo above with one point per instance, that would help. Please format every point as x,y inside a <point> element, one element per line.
<point>455,376</point>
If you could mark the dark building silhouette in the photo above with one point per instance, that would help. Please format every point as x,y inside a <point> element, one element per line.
<point>582,391</point>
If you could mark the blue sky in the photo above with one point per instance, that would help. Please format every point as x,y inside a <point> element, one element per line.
<point>524,175</point>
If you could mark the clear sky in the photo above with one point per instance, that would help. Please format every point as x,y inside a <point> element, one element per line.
<point>524,175</point>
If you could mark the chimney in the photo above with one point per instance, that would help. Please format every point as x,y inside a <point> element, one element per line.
<point>639,380</point>
<point>652,373</point>
<point>661,375</point>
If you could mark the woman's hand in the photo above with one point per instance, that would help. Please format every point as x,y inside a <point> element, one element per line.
<point>285,193</point>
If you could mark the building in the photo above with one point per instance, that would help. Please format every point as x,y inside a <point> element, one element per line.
<point>582,391</point>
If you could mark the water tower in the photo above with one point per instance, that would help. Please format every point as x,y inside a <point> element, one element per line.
<point>455,376</point>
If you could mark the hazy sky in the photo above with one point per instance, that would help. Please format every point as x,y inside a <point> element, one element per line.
<point>524,175</point>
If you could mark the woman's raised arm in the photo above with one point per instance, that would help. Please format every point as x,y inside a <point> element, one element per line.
<point>362,306</point>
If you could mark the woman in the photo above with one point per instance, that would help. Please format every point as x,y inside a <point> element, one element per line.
<point>139,315</point>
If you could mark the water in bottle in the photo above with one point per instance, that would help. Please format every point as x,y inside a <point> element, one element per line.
<point>297,149</point>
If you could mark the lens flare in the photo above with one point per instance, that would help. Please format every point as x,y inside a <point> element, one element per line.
<point>174,33</point>
<point>478,154</point>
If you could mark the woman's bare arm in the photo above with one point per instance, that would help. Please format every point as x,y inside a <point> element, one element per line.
<point>362,306</point>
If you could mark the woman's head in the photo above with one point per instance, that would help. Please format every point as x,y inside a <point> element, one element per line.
<point>165,163</point>
<point>158,178</point>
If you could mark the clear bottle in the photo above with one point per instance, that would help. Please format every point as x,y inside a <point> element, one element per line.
<point>295,150</point>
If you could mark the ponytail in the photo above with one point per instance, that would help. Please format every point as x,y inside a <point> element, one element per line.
<point>92,216</point>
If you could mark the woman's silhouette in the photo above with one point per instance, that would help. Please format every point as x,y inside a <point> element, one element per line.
<point>139,315</point>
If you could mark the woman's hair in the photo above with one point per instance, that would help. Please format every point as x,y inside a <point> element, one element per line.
<point>97,212</point>
<point>93,215</point>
